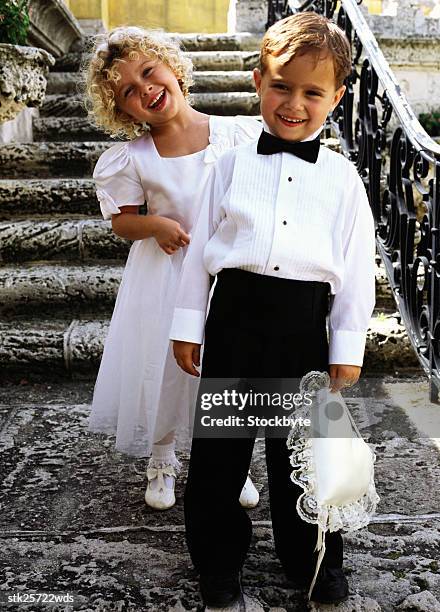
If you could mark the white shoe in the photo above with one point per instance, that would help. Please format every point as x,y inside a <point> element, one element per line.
<point>160,488</point>
<point>249,496</point>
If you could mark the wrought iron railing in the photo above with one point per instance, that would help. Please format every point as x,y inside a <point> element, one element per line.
<point>400,166</point>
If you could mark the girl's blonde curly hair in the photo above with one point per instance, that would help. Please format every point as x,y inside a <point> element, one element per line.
<point>100,74</point>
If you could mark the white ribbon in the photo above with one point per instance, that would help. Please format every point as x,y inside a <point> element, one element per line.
<point>159,473</point>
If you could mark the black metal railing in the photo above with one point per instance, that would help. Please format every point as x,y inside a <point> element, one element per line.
<point>400,166</point>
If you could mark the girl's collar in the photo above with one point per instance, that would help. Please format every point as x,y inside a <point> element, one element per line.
<point>211,140</point>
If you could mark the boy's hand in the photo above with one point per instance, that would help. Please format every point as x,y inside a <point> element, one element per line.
<point>187,355</point>
<point>169,235</point>
<point>343,376</point>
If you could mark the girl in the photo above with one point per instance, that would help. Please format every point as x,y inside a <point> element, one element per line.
<point>138,87</point>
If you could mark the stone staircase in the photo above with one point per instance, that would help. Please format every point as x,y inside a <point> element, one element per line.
<point>60,263</point>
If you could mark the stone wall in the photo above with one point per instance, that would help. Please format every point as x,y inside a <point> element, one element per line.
<point>415,63</point>
<point>205,16</point>
<point>251,15</point>
<point>85,9</point>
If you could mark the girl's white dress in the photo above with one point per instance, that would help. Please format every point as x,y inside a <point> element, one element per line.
<point>140,393</point>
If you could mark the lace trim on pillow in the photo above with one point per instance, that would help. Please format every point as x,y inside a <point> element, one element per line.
<point>328,518</point>
<point>348,517</point>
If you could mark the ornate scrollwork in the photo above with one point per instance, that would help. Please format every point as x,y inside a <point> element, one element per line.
<point>400,167</point>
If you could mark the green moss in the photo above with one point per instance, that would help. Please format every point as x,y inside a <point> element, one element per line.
<point>431,122</point>
<point>394,555</point>
<point>422,583</point>
<point>399,574</point>
<point>14,21</point>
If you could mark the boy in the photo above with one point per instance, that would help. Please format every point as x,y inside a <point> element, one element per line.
<point>282,223</point>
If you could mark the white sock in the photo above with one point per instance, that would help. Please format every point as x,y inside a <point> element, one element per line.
<point>161,456</point>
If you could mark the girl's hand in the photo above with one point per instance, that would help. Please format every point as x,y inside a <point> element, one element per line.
<point>343,376</point>
<point>187,355</point>
<point>169,235</point>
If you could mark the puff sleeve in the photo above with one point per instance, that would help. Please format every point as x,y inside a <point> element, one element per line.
<point>117,181</point>
<point>246,129</point>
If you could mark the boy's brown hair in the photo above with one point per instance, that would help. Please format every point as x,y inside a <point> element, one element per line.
<point>308,32</point>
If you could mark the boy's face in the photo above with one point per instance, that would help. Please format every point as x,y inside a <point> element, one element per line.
<point>297,97</point>
<point>148,91</point>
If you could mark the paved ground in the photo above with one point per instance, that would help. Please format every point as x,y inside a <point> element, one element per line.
<point>73,519</point>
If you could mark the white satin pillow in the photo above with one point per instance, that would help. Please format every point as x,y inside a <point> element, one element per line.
<point>344,463</point>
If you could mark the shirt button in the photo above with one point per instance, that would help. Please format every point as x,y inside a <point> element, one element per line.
<point>276,268</point>
<point>284,222</point>
<point>290,179</point>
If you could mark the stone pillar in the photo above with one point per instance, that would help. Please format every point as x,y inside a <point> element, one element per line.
<point>251,16</point>
<point>52,26</point>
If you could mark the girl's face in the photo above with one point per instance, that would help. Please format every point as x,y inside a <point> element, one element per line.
<point>148,91</point>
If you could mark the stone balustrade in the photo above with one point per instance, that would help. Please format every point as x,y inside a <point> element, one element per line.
<point>22,78</point>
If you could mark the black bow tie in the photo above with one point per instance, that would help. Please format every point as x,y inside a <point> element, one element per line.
<point>268,144</point>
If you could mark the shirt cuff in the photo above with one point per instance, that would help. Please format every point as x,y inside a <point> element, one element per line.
<point>188,325</point>
<point>347,347</point>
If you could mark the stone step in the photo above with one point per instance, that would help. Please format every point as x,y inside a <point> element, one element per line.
<point>42,196</point>
<point>385,301</point>
<point>67,129</point>
<point>60,239</point>
<point>79,129</point>
<point>241,41</point>
<point>73,498</point>
<point>62,83</point>
<point>60,345</point>
<point>202,60</point>
<point>49,160</point>
<point>62,159</point>
<point>223,103</point>
<point>78,288</point>
<point>65,289</point>
<point>208,81</point>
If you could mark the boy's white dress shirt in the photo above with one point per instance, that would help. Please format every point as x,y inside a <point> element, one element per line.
<point>281,216</point>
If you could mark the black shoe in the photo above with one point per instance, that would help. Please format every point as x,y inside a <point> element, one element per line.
<point>221,590</point>
<point>331,586</point>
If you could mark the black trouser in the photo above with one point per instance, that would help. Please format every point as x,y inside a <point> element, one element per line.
<point>258,326</point>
